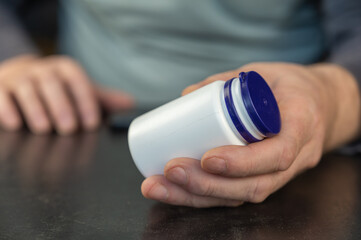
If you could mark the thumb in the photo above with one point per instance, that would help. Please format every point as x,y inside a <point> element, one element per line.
<point>114,100</point>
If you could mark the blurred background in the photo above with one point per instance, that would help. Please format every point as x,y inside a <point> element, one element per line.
<point>39,18</point>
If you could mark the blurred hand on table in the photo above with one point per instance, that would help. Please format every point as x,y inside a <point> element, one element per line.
<point>53,93</point>
<point>320,108</point>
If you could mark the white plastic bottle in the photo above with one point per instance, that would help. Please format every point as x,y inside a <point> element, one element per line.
<point>236,112</point>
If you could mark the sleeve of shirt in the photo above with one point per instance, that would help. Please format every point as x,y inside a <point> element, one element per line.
<point>342,21</point>
<point>13,39</point>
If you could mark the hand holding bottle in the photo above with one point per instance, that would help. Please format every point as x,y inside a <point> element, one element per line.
<point>320,108</point>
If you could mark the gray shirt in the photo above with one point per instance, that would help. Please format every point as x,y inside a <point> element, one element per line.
<point>154,49</point>
<point>13,39</point>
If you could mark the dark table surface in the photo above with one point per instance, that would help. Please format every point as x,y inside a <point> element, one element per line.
<point>87,187</point>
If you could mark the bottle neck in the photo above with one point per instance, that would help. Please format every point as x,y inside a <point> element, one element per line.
<point>237,112</point>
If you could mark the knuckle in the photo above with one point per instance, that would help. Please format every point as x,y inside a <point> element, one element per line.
<point>248,166</point>
<point>22,88</point>
<point>241,170</point>
<point>43,76</point>
<point>313,161</point>
<point>48,79</point>
<point>317,119</point>
<point>287,157</point>
<point>37,69</point>
<point>208,189</point>
<point>61,63</point>
<point>203,188</point>
<point>67,62</point>
<point>22,80</point>
<point>258,192</point>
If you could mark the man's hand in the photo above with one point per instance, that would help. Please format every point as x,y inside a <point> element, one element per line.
<point>52,92</point>
<point>320,108</point>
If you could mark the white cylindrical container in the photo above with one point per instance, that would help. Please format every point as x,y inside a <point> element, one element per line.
<point>236,112</point>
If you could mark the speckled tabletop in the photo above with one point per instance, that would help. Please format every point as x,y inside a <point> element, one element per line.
<point>87,187</point>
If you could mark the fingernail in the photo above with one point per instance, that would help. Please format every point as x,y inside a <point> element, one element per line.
<point>11,122</point>
<point>67,124</point>
<point>177,175</point>
<point>215,165</point>
<point>158,192</point>
<point>41,125</point>
<point>90,120</point>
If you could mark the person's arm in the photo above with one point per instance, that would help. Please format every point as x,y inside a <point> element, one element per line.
<point>342,26</point>
<point>13,39</point>
<point>343,30</point>
<point>320,110</point>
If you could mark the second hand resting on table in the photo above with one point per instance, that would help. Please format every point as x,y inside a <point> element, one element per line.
<point>53,92</point>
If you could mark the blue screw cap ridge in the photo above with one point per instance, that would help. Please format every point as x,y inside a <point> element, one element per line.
<point>260,103</point>
<point>234,116</point>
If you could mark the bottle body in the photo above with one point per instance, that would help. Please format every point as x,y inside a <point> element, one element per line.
<point>186,127</point>
<point>236,112</point>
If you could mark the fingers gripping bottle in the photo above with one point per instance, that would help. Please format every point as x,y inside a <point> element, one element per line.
<point>239,111</point>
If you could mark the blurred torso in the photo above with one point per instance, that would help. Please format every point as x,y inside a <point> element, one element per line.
<point>153,49</point>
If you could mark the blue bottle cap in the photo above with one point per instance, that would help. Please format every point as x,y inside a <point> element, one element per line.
<point>232,111</point>
<point>260,103</point>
